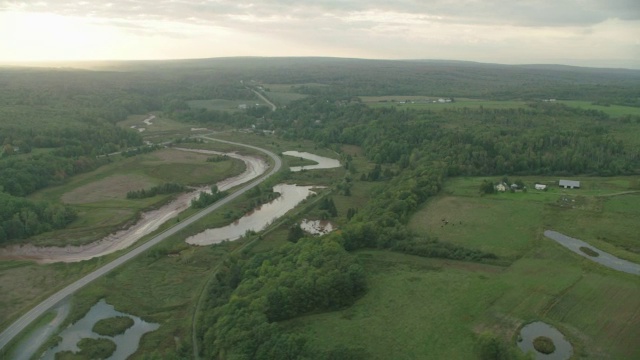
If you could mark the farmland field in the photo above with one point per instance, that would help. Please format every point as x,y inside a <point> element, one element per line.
<point>439,308</point>
<point>282,93</point>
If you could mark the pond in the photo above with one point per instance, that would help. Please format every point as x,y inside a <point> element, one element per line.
<point>127,343</point>
<point>529,332</point>
<point>28,347</point>
<point>322,162</point>
<point>258,219</point>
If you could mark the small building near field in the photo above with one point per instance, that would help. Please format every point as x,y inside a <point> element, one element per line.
<point>540,186</point>
<point>569,184</point>
<point>501,187</point>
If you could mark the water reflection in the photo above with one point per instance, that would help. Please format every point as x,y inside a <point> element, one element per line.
<point>258,219</point>
<point>127,343</point>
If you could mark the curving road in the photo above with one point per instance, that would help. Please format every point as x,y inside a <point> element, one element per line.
<point>14,329</point>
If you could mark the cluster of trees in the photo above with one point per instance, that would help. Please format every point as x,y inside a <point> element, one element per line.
<point>249,296</point>
<point>21,218</point>
<point>328,208</point>
<point>166,188</point>
<point>205,199</point>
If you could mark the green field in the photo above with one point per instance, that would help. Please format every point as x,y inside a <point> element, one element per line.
<point>427,308</point>
<point>611,110</point>
<point>282,94</point>
<point>603,213</point>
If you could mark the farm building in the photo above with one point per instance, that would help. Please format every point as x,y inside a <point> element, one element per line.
<point>569,184</point>
<point>540,186</point>
<point>501,188</point>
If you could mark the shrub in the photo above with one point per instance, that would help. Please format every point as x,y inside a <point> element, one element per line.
<point>544,345</point>
<point>113,326</point>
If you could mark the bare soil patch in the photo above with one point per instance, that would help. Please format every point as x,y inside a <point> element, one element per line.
<point>112,187</point>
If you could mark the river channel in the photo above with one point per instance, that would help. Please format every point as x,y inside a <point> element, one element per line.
<point>258,219</point>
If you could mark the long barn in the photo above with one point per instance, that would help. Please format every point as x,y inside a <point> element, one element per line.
<point>569,184</point>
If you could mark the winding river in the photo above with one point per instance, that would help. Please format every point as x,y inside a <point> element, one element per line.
<point>259,218</point>
<point>149,221</point>
<point>21,323</point>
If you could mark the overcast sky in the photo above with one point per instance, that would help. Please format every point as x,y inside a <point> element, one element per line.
<point>576,32</point>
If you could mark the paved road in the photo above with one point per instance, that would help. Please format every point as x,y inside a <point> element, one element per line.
<point>604,258</point>
<point>14,329</point>
<point>273,106</point>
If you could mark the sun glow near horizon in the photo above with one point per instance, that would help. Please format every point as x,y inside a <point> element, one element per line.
<point>146,30</point>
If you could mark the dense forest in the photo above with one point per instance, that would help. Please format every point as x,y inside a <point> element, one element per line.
<point>249,296</point>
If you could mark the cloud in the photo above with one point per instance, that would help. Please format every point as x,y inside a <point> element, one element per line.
<point>516,13</point>
<point>464,29</point>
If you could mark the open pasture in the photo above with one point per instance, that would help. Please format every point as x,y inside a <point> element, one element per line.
<point>438,308</point>
<point>282,93</point>
<point>113,187</point>
<point>415,308</point>
<point>603,212</point>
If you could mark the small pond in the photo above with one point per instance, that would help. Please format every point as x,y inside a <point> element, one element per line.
<point>257,219</point>
<point>127,343</point>
<point>322,162</point>
<point>529,332</point>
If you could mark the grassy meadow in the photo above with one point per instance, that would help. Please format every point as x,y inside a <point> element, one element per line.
<point>282,94</point>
